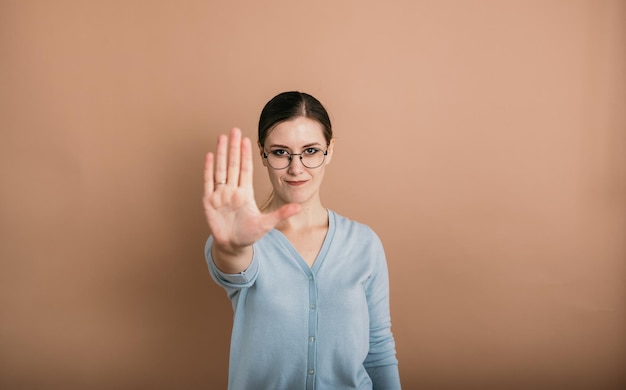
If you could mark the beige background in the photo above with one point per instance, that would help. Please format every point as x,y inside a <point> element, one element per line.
<point>485,141</point>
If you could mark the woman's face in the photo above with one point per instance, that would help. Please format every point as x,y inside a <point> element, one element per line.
<point>296,183</point>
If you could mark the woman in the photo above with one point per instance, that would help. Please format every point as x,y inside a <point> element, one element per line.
<point>309,288</point>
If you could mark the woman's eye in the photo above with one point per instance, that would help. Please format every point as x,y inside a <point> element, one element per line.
<point>280,153</point>
<point>310,151</point>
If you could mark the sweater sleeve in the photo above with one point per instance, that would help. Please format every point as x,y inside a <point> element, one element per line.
<point>231,282</point>
<point>381,362</point>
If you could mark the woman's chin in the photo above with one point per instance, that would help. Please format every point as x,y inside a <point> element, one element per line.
<point>296,197</point>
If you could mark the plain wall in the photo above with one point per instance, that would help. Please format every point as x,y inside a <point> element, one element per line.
<point>484,141</point>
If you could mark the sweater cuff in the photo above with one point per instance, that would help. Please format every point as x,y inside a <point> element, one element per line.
<point>385,377</point>
<point>242,278</point>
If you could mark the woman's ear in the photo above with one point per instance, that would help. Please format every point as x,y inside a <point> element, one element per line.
<point>331,148</point>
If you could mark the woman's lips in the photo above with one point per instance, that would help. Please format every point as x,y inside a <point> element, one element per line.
<point>296,183</point>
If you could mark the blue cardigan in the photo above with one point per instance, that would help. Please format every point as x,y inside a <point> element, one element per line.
<point>321,327</point>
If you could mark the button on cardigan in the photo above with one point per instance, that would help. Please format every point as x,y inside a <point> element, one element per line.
<point>325,327</point>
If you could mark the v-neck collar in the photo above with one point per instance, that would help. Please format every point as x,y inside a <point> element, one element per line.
<point>323,250</point>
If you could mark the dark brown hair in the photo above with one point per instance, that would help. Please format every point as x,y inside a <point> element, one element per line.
<point>291,105</point>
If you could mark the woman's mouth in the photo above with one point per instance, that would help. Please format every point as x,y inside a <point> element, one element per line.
<point>296,183</point>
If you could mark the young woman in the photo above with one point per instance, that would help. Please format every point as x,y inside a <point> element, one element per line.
<point>309,288</point>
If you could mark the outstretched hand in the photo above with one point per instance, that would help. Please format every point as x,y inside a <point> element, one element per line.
<point>234,218</point>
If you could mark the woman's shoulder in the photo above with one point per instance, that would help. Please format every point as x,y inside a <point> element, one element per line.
<point>348,227</point>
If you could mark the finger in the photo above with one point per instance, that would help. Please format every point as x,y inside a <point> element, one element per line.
<point>245,178</point>
<point>220,160</point>
<point>234,157</point>
<point>208,175</point>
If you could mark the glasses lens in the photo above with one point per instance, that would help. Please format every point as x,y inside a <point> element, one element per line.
<point>278,161</point>
<point>313,160</point>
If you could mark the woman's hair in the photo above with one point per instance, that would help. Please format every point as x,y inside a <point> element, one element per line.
<point>287,106</point>
<point>291,105</point>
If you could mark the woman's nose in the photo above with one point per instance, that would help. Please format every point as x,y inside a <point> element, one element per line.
<point>295,165</point>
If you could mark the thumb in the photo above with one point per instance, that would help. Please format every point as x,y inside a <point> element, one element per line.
<point>284,212</point>
<point>288,210</point>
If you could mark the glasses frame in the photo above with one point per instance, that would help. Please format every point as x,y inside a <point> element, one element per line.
<point>265,155</point>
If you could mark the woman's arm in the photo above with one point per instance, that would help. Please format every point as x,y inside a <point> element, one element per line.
<point>381,362</point>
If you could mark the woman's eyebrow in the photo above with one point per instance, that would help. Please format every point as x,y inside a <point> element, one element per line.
<point>287,147</point>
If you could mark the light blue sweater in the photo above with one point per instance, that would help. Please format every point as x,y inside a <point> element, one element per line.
<point>326,328</point>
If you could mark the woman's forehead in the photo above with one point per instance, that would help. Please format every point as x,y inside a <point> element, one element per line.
<point>296,132</point>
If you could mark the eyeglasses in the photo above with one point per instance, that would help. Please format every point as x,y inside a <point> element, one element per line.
<point>310,157</point>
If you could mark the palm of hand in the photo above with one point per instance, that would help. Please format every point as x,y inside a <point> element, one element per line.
<point>234,218</point>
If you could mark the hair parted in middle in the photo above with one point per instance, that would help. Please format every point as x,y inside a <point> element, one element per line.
<point>291,105</point>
